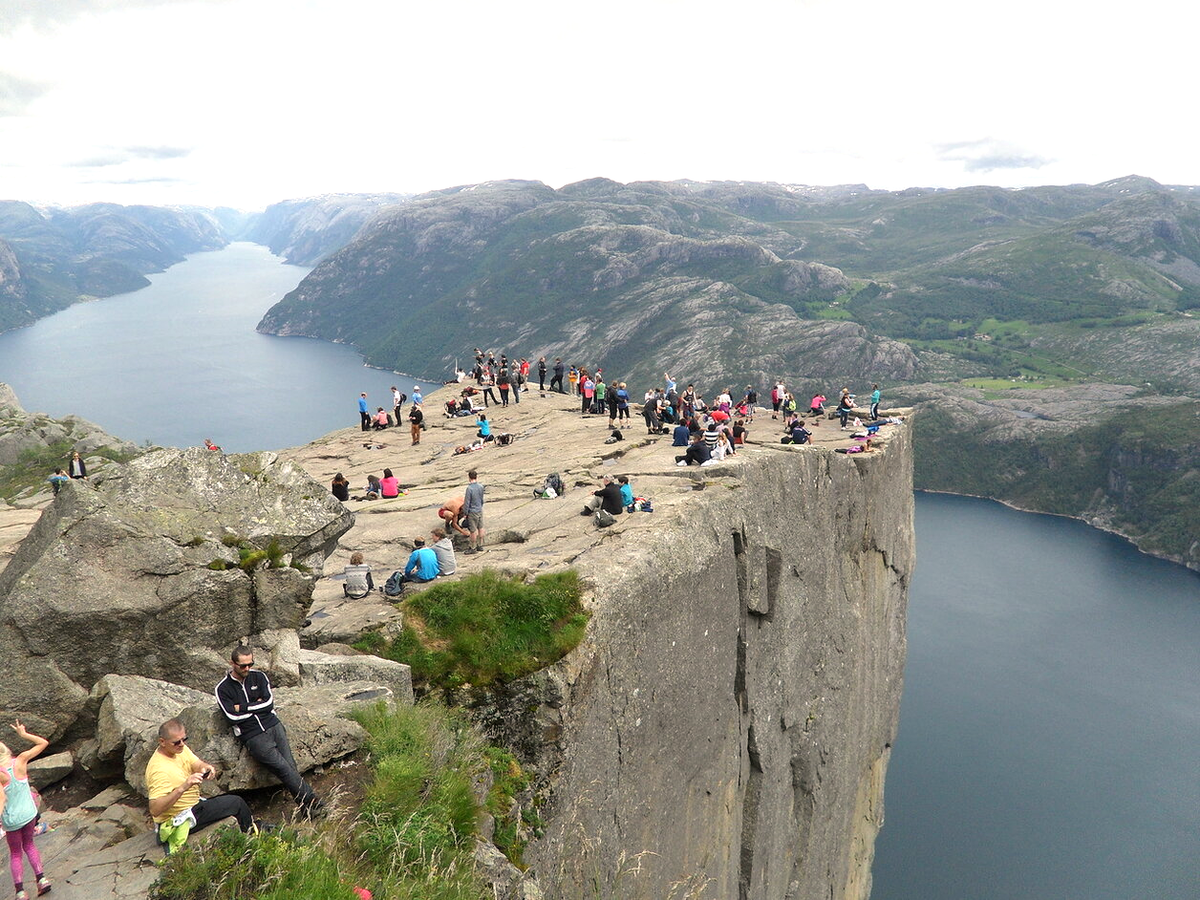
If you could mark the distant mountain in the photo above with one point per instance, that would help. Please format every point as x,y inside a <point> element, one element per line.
<point>50,259</point>
<point>305,231</point>
<point>637,278</point>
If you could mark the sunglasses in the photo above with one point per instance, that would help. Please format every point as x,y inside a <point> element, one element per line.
<point>180,742</point>
<point>245,665</point>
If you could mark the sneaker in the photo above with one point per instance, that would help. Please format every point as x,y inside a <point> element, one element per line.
<point>682,463</point>
<point>22,895</point>
<point>43,885</point>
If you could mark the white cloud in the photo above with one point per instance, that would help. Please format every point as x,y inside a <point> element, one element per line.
<point>266,99</point>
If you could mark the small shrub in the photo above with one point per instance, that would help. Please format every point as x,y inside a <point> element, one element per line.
<point>232,540</point>
<point>488,628</point>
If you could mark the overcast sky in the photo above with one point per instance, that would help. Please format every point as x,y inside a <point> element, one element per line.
<point>246,102</point>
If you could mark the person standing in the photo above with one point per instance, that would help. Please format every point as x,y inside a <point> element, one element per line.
<point>364,412</point>
<point>173,776</point>
<point>559,371</point>
<point>416,419</point>
<point>19,812</point>
<point>587,390</point>
<point>244,696</point>
<point>473,507</point>
<point>875,403</point>
<point>503,384</point>
<point>542,374</point>
<point>397,403</point>
<point>417,396</point>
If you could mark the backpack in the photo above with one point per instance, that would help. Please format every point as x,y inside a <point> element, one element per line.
<point>604,518</point>
<point>394,586</point>
<point>504,439</point>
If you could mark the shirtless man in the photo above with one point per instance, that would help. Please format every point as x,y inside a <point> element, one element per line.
<point>451,513</point>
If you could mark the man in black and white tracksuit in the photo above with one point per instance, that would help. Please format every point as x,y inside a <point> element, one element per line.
<point>244,696</point>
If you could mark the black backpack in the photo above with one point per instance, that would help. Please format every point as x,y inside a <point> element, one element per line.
<point>394,586</point>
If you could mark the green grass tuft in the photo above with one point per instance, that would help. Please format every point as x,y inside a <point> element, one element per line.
<point>489,629</point>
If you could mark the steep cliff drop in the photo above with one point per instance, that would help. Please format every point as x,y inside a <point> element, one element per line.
<point>724,729</point>
<point>732,714</point>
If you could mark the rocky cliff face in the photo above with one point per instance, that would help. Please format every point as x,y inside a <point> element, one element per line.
<point>733,711</point>
<point>306,231</point>
<point>730,714</point>
<point>1112,455</point>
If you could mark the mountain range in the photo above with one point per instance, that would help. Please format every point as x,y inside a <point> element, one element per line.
<point>1049,334</point>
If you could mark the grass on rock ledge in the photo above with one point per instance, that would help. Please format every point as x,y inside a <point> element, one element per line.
<point>411,839</point>
<point>487,629</point>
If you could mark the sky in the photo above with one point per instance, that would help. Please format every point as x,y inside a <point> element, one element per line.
<point>244,103</point>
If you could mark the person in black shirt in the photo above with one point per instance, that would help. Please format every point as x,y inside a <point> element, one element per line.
<point>244,696</point>
<point>607,498</point>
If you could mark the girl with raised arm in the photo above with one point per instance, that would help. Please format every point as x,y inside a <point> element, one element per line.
<point>19,816</point>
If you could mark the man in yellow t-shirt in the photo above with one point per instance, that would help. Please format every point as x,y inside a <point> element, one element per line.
<point>173,777</point>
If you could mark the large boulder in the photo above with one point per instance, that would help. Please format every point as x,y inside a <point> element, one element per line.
<point>157,569</point>
<point>317,718</point>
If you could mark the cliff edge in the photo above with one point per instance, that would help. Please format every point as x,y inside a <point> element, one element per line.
<point>725,727</point>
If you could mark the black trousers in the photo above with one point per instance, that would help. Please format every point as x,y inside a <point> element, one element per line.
<point>214,809</point>
<point>366,420</point>
<point>272,750</point>
<point>557,379</point>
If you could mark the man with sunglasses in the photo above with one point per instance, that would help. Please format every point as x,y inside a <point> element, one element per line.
<point>173,776</point>
<point>244,696</point>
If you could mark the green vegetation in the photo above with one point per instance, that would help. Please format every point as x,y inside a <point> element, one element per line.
<point>487,628</point>
<point>34,466</point>
<point>411,839</point>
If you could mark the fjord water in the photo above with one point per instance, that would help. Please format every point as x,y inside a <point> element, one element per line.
<point>179,361</point>
<point>1049,741</point>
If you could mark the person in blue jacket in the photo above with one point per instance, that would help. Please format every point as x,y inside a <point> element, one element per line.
<point>422,563</point>
<point>364,412</point>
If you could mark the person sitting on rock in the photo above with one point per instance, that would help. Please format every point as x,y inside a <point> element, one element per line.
<point>76,467</point>
<point>797,435</point>
<point>173,776</point>
<point>18,812</point>
<point>244,696</point>
<point>340,487</point>
<point>443,549</point>
<point>626,490</point>
<point>422,566</point>
<point>373,489</point>
<point>680,435</point>
<point>389,485</point>
<point>608,498</point>
<point>485,428</point>
<point>359,582</point>
<point>380,420</point>
<point>58,479</point>
<point>697,452</point>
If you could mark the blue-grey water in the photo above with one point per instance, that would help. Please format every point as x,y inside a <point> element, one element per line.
<point>179,361</point>
<point>1049,742</point>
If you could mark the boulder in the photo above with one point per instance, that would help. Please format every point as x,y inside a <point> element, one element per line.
<point>326,668</point>
<point>46,770</point>
<point>316,717</point>
<point>144,571</point>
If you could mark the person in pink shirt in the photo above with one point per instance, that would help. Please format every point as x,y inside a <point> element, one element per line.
<point>389,485</point>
